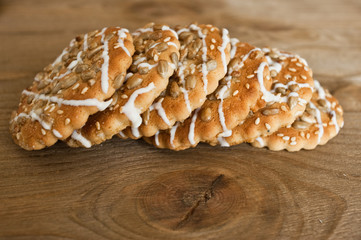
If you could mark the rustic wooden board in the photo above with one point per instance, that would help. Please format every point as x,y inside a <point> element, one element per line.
<point>130,190</point>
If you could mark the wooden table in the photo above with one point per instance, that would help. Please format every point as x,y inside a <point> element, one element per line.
<point>130,190</point>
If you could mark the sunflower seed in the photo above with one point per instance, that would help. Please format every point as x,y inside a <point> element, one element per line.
<point>271,111</point>
<point>174,89</point>
<point>162,68</point>
<point>206,114</point>
<point>134,82</point>
<point>190,82</point>
<point>118,80</point>
<point>292,102</point>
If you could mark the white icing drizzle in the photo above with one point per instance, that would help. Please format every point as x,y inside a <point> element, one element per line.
<point>319,122</point>
<point>105,65</point>
<point>234,41</point>
<point>132,112</point>
<point>165,28</point>
<point>121,36</point>
<point>122,134</point>
<point>223,142</point>
<point>161,112</point>
<point>86,102</point>
<point>270,96</point>
<point>33,116</point>
<point>226,132</point>
<point>142,30</point>
<point>260,141</point>
<point>225,41</point>
<point>322,95</point>
<point>57,134</point>
<point>80,138</point>
<point>156,138</point>
<point>172,133</point>
<point>186,98</point>
<point>191,127</point>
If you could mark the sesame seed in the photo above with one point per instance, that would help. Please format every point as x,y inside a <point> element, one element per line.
<point>250,76</point>
<point>167,39</point>
<point>286,138</point>
<point>294,60</point>
<point>91,82</point>
<point>124,96</point>
<point>213,40</point>
<point>303,77</point>
<point>212,46</point>
<point>306,68</point>
<point>156,58</point>
<point>324,124</point>
<point>268,127</point>
<point>257,121</point>
<point>292,69</point>
<point>247,85</point>
<point>299,64</point>
<point>67,121</point>
<point>75,86</point>
<point>287,76</point>
<point>282,58</point>
<point>97,124</point>
<point>293,143</point>
<point>302,134</point>
<point>308,136</point>
<point>280,134</point>
<point>317,132</point>
<point>60,111</point>
<point>43,131</point>
<point>84,90</point>
<point>288,126</point>
<point>293,139</point>
<point>294,78</point>
<point>283,108</point>
<point>52,108</point>
<point>235,93</point>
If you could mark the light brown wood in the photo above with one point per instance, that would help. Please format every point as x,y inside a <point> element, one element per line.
<point>130,190</point>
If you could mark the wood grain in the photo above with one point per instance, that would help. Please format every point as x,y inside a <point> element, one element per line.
<point>130,190</point>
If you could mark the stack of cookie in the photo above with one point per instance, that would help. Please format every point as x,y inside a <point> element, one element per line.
<point>175,87</point>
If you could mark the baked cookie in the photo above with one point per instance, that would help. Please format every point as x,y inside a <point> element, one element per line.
<point>155,59</point>
<point>204,55</point>
<point>320,122</point>
<point>76,85</point>
<point>291,91</point>
<point>237,93</point>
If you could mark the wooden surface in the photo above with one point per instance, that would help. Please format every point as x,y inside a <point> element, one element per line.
<point>129,190</point>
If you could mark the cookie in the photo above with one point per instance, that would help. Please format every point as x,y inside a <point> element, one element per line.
<point>320,122</point>
<point>237,93</point>
<point>76,85</point>
<point>204,55</point>
<point>155,59</point>
<point>291,91</point>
